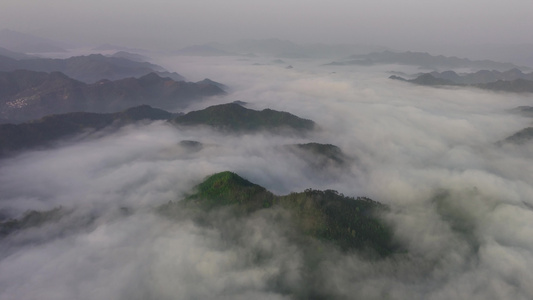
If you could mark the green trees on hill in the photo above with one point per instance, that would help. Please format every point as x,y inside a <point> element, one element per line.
<point>350,223</point>
<point>346,222</point>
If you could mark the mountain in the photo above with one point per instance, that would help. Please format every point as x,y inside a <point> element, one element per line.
<point>130,56</point>
<point>177,77</point>
<point>141,58</point>
<point>483,76</point>
<point>27,43</point>
<point>208,81</point>
<point>423,60</point>
<point>321,156</point>
<point>16,137</point>
<point>43,132</point>
<point>425,79</point>
<point>89,69</point>
<point>428,79</point>
<point>14,55</point>
<point>521,137</point>
<point>27,95</point>
<point>349,223</point>
<point>516,86</point>
<point>233,117</point>
<point>191,146</point>
<point>526,111</point>
<point>519,53</point>
<point>227,188</point>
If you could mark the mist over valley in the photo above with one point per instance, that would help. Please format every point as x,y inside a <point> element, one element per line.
<point>263,168</point>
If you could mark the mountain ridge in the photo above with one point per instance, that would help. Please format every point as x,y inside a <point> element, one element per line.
<point>349,223</point>
<point>89,68</point>
<point>516,86</point>
<point>26,95</point>
<point>44,131</point>
<point>232,117</point>
<point>423,60</point>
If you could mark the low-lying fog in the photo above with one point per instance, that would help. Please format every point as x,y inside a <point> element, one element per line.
<point>428,153</point>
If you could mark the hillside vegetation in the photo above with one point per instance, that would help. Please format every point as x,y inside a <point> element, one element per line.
<point>350,223</point>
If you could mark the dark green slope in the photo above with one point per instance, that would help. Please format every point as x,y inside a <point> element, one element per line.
<point>483,76</point>
<point>350,223</point>
<point>233,117</point>
<point>227,188</point>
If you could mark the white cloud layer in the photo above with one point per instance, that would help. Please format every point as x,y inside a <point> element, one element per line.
<point>460,204</point>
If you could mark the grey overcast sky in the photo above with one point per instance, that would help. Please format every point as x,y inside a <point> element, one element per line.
<point>178,23</point>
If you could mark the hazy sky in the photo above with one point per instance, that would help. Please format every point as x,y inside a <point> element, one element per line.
<point>169,24</point>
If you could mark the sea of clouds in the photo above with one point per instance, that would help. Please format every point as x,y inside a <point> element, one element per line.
<point>460,204</point>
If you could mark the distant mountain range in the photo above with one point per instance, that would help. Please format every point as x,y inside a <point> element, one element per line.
<point>130,56</point>
<point>27,43</point>
<point>423,60</point>
<point>519,53</point>
<point>14,55</point>
<point>516,86</point>
<point>425,79</point>
<point>228,117</point>
<point>27,95</point>
<point>89,69</point>
<point>509,81</point>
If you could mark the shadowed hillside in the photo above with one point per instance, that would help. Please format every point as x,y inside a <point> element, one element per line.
<point>89,69</point>
<point>27,95</point>
<point>16,137</point>
<point>233,117</point>
<point>349,223</point>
